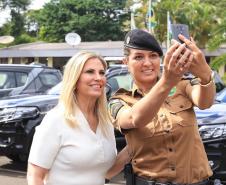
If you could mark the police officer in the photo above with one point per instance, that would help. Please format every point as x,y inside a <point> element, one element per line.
<point>157,115</point>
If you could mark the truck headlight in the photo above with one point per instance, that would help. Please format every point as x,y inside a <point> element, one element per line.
<point>212,127</point>
<point>16,113</point>
<point>212,131</point>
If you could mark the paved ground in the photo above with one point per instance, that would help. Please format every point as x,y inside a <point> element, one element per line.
<point>15,174</point>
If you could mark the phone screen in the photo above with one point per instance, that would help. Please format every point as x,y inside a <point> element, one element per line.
<point>179,29</point>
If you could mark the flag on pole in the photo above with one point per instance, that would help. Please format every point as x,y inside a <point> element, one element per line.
<point>169,30</point>
<point>151,22</point>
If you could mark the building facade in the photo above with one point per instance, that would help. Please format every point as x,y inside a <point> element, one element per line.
<point>57,54</point>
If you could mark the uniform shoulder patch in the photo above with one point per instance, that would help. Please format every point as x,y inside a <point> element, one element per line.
<point>194,81</point>
<point>114,106</point>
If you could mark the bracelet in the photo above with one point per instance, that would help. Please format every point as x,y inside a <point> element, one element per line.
<point>206,85</point>
<point>209,83</point>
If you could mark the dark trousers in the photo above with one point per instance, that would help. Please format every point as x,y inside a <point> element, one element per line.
<point>142,181</point>
<point>132,179</point>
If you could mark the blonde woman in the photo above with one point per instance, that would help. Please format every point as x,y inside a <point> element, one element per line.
<point>75,143</point>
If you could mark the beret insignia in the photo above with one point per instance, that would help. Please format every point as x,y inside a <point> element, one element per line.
<point>127,40</point>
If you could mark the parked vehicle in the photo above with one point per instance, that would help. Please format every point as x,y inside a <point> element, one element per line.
<point>218,82</point>
<point>212,129</point>
<point>221,96</point>
<point>18,119</point>
<point>20,116</point>
<point>20,79</point>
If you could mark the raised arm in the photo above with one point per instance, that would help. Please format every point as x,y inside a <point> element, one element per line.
<point>203,93</point>
<point>176,63</point>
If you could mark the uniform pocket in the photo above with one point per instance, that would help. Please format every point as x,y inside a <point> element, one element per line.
<point>179,105</point>
<point>182,112</point>
<point>188,118</point>
<point>160,125</point>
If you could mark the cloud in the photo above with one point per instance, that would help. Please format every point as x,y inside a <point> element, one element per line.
<point>37,4</point>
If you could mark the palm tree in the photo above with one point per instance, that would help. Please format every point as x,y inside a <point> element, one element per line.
<point>218,36</point>
<point>199,16</point>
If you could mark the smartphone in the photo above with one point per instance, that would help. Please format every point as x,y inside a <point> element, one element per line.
<point>179,29</point>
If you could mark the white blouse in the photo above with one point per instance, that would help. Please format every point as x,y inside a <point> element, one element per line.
<point>75,156</point>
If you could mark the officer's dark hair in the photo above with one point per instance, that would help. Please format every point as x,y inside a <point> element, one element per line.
<point>126,51</point>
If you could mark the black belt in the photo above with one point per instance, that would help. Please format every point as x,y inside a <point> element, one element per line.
<point>141,181</point>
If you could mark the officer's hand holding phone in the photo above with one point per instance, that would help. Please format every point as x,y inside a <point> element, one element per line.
<point>199,66</point>
<point>178,29</point>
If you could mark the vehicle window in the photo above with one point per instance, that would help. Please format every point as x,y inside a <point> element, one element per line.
<point>39,85</point>
<point>3,78</point>
<point>49,79</point>
<point>7,80</point>
<point>30,88</point>
<point>121,81</point>
<point>21,79</point>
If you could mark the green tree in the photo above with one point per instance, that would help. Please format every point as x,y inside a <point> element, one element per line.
<point>16,26</point>
<point>92,19</point>
<point>15,4</point>
<point>17,23</point>
<point>218,36</point>
<point>199,15</point>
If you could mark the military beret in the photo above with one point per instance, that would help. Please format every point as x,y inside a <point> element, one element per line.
<point>140,39</point>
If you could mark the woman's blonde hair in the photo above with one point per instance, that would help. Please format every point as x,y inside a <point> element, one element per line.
<point>72,72</point>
